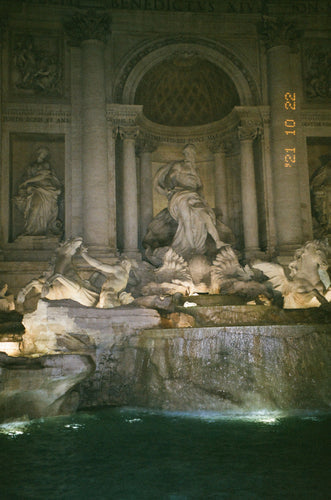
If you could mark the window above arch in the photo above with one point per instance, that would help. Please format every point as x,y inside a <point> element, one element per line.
<point>186,90</point>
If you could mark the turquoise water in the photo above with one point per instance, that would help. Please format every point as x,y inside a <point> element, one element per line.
<point>132,454</point>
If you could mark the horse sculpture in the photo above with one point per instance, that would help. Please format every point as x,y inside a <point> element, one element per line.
<point>63,280</point>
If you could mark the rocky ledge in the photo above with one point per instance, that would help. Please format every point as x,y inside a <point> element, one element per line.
<point>72,357</point>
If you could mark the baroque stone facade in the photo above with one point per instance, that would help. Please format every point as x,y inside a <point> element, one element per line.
<point>113,90</point>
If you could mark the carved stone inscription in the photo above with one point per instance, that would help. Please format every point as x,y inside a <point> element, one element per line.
<point>36,65</point>
<point>37,185</point>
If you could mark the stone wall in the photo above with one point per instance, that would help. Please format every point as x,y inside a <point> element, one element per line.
<point>238,367</point>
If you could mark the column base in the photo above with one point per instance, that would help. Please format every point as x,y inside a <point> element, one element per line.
<point>132,253</point>
<point>254,253</point>
<point>288,248</point>
<point>101,250</point>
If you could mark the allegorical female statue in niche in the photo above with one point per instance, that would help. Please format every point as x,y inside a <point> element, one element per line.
<point>38,196</point>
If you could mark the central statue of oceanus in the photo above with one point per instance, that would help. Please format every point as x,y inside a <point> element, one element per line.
<point>188,225</point>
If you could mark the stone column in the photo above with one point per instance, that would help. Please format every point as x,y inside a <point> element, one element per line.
<point>248,189</point>
<point>112,134</point>
<point>3,209</point>
<point>74,226</point>
<point>278,37</point>
<point>267,183</point>
<point>130,192</point>
<point>91,32</point>
<point>145,150</point>
<point>221,192</point>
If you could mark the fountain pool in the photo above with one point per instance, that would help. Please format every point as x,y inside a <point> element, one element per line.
<point>113,453</point>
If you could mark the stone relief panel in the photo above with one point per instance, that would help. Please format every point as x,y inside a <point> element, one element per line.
<point>36,185</point>
<point>317,70</point>
<point>36,66</point>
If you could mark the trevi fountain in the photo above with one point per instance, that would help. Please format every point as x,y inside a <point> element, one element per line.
<point>164,249</point>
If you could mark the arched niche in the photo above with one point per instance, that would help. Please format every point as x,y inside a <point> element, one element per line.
<point>169,138</point>
<point>143,59</point>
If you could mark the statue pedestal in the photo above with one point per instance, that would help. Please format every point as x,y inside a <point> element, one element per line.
<point>31,248</point>
<point>36,242</point>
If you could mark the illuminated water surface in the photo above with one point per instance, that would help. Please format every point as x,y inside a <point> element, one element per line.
<point>133,454</point>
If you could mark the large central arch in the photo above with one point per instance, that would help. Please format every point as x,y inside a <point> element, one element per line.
<point>139,62</point>
<point>218,144</point>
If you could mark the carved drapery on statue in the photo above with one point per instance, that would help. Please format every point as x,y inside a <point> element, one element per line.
<point>38,197</point>
<point>189,224</point>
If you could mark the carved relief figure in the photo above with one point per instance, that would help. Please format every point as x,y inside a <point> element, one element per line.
<point>38,195</point>
<point>190,215</point>
<point>36,66</point>
<point>317,59</point>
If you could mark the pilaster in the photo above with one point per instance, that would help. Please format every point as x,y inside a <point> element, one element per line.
<point>145,149</point>
<point>248,189</point>
<point>90,32</point>
<point>280,38</point>
<point>3,29</point>
<point>221,194</point>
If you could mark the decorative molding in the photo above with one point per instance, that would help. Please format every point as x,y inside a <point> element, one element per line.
<point>215,131</point>
<point>28,114</point>
<point>275,31</point>
<point>315,118</point>
<point>87,26</point>
<point>123,114</point>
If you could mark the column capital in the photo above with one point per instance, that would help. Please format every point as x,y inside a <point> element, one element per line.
<point>87,26</point>
<point>128,132</point>
<point>247,133</point>
<point>145,146</point>
<point>275,31</point>
<point>219,146</point>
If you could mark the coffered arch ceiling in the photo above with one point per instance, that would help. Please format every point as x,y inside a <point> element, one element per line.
<point>186,90</point>
<point>181,76</point>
